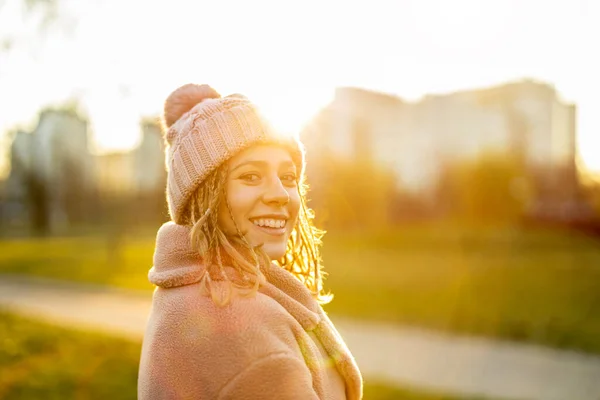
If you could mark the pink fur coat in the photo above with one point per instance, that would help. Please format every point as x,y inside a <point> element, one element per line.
<point>278,344</point>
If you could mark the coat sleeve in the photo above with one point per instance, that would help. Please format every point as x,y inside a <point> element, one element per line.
<point>275,376</point>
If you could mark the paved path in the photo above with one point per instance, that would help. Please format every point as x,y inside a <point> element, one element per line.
<point>392,354</point>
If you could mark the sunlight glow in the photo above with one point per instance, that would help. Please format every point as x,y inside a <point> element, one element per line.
<point>291,65</point>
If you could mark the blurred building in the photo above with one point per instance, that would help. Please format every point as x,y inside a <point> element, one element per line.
<point>55,181</point>
<point>51,171</point>
<point>132,184</point>
<point>114,174</point>
<point>138,172</point>
<point>418,139</point>
<point>525,121</point>
<point>150,173</point>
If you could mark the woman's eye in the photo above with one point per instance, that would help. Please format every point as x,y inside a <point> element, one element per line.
<point>289,178</point>
<point>250,177</point>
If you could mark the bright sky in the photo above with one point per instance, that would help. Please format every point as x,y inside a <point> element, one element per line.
<point>122,58</point>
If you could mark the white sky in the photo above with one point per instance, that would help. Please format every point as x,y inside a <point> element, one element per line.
<point>123,57</point>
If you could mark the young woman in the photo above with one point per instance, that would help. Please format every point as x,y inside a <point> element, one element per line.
<point>236,313</point>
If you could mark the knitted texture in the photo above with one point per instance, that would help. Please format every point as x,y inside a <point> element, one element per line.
<point>210,133</point>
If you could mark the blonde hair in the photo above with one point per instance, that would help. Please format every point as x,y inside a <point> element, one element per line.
<point>218,250</point>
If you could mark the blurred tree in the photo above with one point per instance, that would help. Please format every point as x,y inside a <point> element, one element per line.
<point>353,193</point>
<point>491,188</point>
<point>36,194</point>
<point>42,14</point>
<point>595,201</point>
<point>591,188</point>
<point>408,206</point>
<point>75,197</point>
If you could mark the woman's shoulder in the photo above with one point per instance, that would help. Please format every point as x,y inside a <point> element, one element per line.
<point>246,329</point>
<point>195,343</point>
<point>190,304</point>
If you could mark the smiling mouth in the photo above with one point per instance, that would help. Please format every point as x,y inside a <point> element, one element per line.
<point>271,226</point>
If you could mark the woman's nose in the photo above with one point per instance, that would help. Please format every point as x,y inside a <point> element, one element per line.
<point>275,192</point>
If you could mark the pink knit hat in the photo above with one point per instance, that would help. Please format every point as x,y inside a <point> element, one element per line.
<point>205,130</point>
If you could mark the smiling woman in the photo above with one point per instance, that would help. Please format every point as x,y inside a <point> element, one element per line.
<point>263,198</point>
<point>237,310</point>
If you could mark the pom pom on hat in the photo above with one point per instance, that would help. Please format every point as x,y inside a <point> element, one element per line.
<point>184,99</point>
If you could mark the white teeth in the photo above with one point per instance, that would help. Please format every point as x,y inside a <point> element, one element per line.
<point>271,223</point>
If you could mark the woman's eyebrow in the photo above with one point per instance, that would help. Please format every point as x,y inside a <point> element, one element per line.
<point>256,163</point>
<point>287,164</point>
<point>262,164</point>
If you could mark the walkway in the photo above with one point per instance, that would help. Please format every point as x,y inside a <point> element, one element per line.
<point>388,353</point>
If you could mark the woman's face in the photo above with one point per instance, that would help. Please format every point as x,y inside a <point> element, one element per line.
<point>262,193</point>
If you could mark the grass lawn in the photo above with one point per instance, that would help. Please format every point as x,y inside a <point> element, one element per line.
<point>533,286</point>
<point>39,360</point>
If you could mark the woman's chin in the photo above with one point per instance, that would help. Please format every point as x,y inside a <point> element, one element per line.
<point>275,251</point>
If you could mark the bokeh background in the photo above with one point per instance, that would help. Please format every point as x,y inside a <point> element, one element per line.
<point>453,155</point>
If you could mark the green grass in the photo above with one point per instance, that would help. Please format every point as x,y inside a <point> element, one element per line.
<point>533,286</point>
<point>39,360</point>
